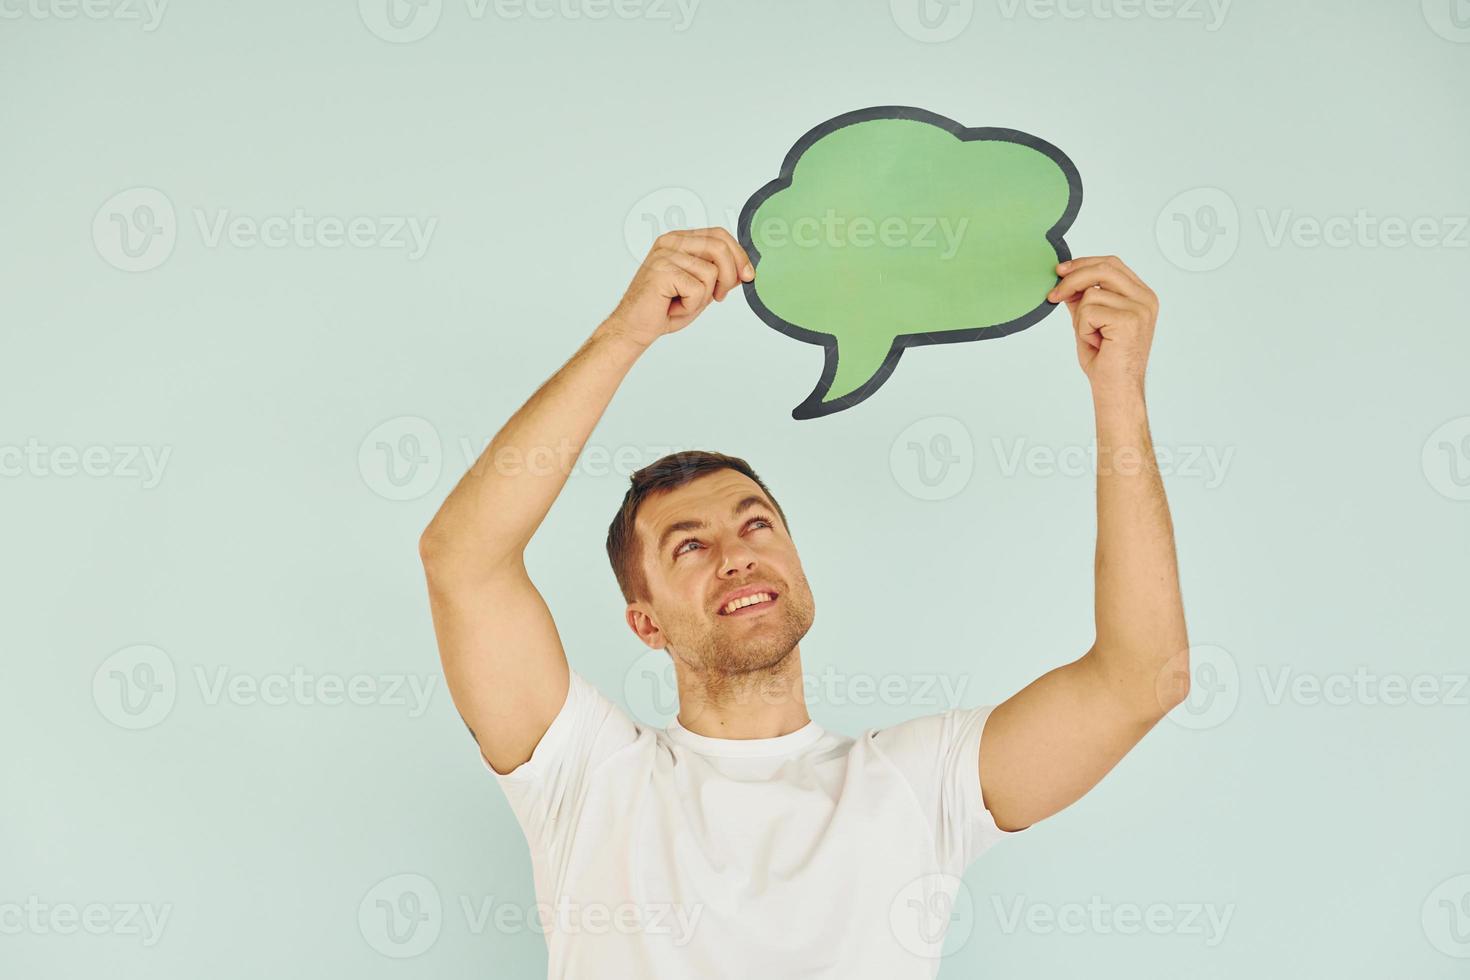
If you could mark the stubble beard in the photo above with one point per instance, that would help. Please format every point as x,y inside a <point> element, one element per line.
<point>728,665</point>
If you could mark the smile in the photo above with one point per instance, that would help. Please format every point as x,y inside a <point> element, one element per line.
<point>750,604</point>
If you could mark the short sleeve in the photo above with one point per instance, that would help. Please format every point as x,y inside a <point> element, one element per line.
<point>939,755</point>
<point>548,790</point>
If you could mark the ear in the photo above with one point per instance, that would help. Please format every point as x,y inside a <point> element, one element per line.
<point>643,625</point>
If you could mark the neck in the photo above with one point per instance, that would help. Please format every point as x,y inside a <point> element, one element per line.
<point>762,703</point>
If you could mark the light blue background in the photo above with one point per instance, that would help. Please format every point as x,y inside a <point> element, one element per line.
<point>544,149</point>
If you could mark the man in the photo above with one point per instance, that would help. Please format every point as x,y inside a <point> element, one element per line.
<point>745,841</point>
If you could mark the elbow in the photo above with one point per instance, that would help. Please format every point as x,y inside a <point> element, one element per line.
<point>438,552</point>
<point>1150,684</point>
<point>448,559</point>
<point>431,546</point>
<point>1173,683</point>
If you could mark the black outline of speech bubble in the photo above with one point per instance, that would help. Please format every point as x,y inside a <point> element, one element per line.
<point>813,406</point>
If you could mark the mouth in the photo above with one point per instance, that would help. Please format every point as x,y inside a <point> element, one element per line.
<point>751,605</point>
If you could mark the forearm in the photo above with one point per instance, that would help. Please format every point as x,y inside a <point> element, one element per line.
<point>1138,608</point>
<point>495,509</point>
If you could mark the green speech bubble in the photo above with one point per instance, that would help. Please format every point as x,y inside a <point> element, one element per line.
<point>893,227</point>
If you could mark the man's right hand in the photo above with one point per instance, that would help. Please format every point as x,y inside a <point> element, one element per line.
<point>683,271</point>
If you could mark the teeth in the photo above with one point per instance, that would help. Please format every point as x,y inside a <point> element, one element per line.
<point>749,600</point>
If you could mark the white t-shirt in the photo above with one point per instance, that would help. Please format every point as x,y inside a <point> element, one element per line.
<point>667,854</point>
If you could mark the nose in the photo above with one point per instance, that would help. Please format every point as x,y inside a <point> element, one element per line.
<point>736,558</point>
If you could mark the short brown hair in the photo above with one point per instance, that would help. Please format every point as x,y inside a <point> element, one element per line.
<point>624,549</point>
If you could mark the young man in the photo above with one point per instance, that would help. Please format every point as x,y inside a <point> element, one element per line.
<point>745,841</point>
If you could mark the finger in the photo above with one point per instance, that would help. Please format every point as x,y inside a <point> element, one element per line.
<point>1086,260</point>
<point>1098,296</point>
<point>702,269</point>
<point>739,259</point>
<point>742,257</point>
<point>1083,262</point>
<point>1084,332</point>
<point>1094,309</point>
<point>1106,276</point>
<point>1100,274</point>
<point>1100,314</point>
<point>1088,337</point>
<point>717,250</point>
<point>686,294</point>
<point>716,245</point>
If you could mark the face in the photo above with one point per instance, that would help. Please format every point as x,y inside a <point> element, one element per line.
<point>701,542</point>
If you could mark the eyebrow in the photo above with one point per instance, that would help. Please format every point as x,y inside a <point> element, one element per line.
<point>692,525</point>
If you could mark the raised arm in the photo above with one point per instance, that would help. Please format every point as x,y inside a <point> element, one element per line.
<point>1056,738</point>
<point>502,655</point>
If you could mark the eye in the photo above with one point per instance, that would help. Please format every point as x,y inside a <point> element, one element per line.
<point>679,550</point>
